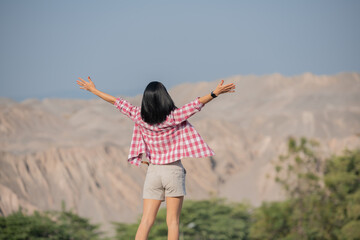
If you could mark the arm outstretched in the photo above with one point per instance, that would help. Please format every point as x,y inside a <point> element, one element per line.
<point>220,89</point>
<point>90,86</point>
<point>183,113</point>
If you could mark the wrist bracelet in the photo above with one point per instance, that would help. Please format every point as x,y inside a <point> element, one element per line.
<point>213,95</point>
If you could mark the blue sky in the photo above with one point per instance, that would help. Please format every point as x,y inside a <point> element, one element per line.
<point>46,45</point>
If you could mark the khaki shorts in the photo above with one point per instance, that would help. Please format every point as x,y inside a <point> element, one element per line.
<point>165,180</point>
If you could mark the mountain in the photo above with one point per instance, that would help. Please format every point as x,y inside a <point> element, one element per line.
<point>76,150</point>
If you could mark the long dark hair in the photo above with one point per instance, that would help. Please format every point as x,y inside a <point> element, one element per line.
<point>156,103</point>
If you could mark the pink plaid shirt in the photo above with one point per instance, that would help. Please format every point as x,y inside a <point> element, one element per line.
<point>163,143</point>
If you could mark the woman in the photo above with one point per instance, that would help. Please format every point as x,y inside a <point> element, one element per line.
<point>163,133</point>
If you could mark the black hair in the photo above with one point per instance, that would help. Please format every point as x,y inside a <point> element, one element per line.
<point>156,103</point>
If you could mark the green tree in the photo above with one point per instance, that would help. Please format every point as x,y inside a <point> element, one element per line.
<point>47,225</point>
<point>300,172</point>
<point>342,179</point>
<point>271,220</point>
<point>323,196</point>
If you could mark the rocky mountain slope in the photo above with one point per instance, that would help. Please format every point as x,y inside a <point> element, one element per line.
<point>76,150</point>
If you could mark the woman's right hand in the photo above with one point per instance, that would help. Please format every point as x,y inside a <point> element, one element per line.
<point>220,89</point>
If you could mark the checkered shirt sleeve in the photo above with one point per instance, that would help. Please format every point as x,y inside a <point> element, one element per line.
<point>181,114</point>
<point>127,108</point>
<point>137,143</point>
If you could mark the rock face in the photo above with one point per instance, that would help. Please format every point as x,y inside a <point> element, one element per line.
<point>76,150</point>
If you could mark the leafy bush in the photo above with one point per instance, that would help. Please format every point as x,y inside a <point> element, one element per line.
<point>47,225</point>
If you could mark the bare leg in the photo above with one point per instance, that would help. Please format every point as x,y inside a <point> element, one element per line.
<point>173,210</point>
<point>150,210</point>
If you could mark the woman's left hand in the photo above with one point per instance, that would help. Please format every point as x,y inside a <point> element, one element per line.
<point>90,86</point>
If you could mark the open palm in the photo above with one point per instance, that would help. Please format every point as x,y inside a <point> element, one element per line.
<point>86,85</point>
<point>224,88</point>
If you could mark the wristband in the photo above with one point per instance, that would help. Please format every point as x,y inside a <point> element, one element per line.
<point>213,95</point>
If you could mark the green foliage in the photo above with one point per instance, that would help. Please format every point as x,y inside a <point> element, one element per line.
<point>47,225</point>
<point>324,197</point>
<point>300,171</point>
<point>125,231</point>
<point>351,230</point>
<point>342,180</point>
<point>207,219</point>
<point>343,174</point>
<point>271,220</point>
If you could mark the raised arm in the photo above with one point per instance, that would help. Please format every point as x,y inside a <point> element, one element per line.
<point>181,114</point>
<point>90,86</point>
<point>220,89</point>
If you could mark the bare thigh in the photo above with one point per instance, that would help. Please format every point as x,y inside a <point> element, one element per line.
<point>173,209</point>
<point>150,209</point>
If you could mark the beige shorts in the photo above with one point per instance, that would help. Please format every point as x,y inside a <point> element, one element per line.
<point>166,180</point>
